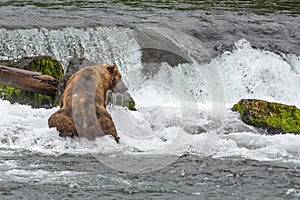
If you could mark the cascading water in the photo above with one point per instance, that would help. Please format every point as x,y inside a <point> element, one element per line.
<point>245,72</point>
<point>254,73</point>
<point>99,45</point>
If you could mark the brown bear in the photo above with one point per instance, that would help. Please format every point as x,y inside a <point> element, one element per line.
<point>82,106</point>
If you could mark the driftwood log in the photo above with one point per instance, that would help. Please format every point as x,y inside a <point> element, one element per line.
<point>28,80</point>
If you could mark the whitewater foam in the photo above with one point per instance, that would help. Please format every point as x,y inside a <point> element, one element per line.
<point>255,73</point>
<point>160,126</point>
<point>32,134</point>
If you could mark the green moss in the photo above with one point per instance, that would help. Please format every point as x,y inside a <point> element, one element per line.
<point>7,92</point>
<point>14,95</point>
<point>130,105</point>
<point>275,117</point>
<point>48,66</point>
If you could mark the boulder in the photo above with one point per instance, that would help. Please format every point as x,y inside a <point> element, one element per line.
<point>274,117</point>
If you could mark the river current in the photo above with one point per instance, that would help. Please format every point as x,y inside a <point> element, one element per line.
<point>186,63</point>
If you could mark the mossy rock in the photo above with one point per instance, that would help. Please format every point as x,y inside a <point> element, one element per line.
<point>120,99</point>
<point>14,95</point>
<point>44,64</point>
<point>48,66</point>
<point>274,117</point>
<point>130,105</point>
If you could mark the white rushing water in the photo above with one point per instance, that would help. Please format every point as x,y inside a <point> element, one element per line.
<point>161,125</point>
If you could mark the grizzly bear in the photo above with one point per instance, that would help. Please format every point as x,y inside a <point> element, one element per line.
<point>82,106</point>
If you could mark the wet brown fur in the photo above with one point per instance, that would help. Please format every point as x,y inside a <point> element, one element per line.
<point>91,84</point>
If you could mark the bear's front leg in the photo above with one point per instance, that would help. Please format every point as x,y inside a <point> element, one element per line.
<point>106,123</point>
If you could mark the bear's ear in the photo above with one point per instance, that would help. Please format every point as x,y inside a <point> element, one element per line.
<point>111,68</point>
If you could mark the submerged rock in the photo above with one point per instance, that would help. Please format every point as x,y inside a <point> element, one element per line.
<point>44,64</point>
<point>274,117</point>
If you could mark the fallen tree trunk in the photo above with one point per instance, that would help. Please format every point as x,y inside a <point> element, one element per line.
<point>28,80</point>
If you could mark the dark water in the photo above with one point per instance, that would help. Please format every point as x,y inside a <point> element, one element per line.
<point>190,177</point>
<point>271,25</point>
<point>241,6</point>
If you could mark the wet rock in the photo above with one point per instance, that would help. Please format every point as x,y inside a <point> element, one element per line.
<point>156,48</point>
<point>274,117</point>
<point>194,129</point>
<point>118,99</point>
<point>152,55</point>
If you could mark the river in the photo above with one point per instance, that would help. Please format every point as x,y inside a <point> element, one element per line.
<point>186,63</point>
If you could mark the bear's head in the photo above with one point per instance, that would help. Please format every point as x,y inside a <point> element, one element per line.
<point>115,75</point>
